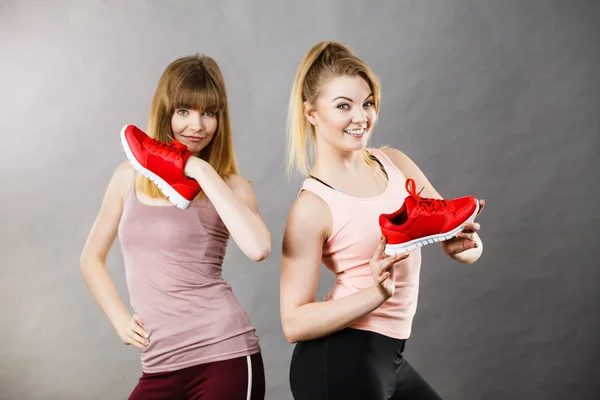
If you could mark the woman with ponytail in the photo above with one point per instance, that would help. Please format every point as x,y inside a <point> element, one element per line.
<point>351,345</point>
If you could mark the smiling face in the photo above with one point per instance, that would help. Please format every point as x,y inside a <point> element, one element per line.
<point>190,106</point>
<point>344,113</point>
<point>194,128</point>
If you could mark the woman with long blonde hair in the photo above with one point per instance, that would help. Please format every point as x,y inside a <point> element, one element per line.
<point>195,340</point>
<point>351,345</point>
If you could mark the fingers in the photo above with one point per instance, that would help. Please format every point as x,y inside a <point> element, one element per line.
<point>378,255</point>
<point>401,256</point>
<point>462,245</point>
<point>138,336</point>
<point>137,319</point>
<point>136,340</point>
<point>465,235</point>
<point>462,242</point>
<point>138,326</point>
<point>469,244</point>
<point>383,277</point>
<point>470,227</point>
<point>139,331</point>
<point>481,205</point>
<point>388,262</point>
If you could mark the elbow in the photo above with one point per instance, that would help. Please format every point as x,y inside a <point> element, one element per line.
<point>83,263</point>
<point>264,253</point>
<point>290,334</point>
<point>260,252</point>
<point>290,330</point>
<point>260,257</point>
<point>85,268</point>
<point>88,262</point>
<point>291,339</point>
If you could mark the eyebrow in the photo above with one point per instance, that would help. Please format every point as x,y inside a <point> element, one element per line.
<point>350,100</point>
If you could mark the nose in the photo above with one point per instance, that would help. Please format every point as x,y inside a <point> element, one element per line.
<point>359,116</point>
<point>195,121</point>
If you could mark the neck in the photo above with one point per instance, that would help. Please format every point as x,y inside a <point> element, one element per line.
<point>331,161</point>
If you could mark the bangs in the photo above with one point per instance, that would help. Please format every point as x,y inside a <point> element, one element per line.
<point>197,91</point>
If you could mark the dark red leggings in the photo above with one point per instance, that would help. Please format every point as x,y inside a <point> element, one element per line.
<point>223,380</point>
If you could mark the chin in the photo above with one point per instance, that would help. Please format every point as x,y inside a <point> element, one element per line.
<point>357,145</point>
<point>192,147</point>
<point>196,149</point>
<point>349,148</point>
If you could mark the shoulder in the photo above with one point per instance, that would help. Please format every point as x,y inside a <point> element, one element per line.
<point>236,180</point>
<point>410,170</point>
<point>399,159</point>
<point>239,184</point>
<point>122,180</point>
<point>308,202</point>
<point>243,189</point>
<point>124,174</point>
<point>310,213</point>
<point>125,169</point>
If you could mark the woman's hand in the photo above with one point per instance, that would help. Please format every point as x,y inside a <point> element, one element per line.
<point>464,240</point>
<point>132,332</point>
<point>382,269</point>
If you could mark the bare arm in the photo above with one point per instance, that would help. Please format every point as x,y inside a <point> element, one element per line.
<point>470,244</point>
<point>95,251</point>
<point>302,317</point>
<point>236,204</point>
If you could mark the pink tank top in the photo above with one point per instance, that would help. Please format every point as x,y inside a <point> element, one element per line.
<point>173,264</point>
<point>354,237</point>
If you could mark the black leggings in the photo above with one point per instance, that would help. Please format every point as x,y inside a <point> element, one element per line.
<point>354,364</point>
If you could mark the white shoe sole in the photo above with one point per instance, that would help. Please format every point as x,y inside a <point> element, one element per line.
<point>174,197</point>
<point>391,249</point>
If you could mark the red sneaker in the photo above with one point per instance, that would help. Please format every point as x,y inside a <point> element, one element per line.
<point>162,163</point>
<point>421,221</point>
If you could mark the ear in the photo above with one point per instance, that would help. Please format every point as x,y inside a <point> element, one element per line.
<point>309,112</point>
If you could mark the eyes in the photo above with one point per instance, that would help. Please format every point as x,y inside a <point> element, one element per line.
<point>346,106</point>
<point>185,113</point>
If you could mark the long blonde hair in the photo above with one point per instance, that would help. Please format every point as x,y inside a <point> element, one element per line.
<point>194,83</point>
<point>323,61</point>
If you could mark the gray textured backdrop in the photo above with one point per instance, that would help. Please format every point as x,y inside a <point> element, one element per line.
<point>500,99</point>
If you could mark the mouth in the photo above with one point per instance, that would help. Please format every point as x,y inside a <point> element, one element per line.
<point>194,138</point>
<point>355,132</point>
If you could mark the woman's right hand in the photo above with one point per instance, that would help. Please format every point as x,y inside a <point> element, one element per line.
<point>382,269</point>
<point>132,332</point>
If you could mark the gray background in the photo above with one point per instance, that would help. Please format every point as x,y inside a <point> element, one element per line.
<point>499,99</point>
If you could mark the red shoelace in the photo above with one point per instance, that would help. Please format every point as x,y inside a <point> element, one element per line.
<point>175,149</point>
<point>424,203</point>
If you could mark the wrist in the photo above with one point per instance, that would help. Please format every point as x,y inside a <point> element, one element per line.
<point>195,167</point>
<point>120,320</point>
<point>380,294</point>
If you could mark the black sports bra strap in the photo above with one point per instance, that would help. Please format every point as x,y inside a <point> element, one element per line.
<point>317,179</point>
<point>380,164</point>
<point>370,156</point>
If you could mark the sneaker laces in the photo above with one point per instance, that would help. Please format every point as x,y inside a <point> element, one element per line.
<point>174,149</point>
<point>425,203</point>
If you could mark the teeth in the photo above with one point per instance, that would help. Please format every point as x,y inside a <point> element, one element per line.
<point>355,131</point>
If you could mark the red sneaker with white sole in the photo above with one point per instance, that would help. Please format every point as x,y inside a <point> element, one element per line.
<point>162,163</point>
<point>421,221</point>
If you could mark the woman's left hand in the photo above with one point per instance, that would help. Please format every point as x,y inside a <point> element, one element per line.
<point>464,240</point>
